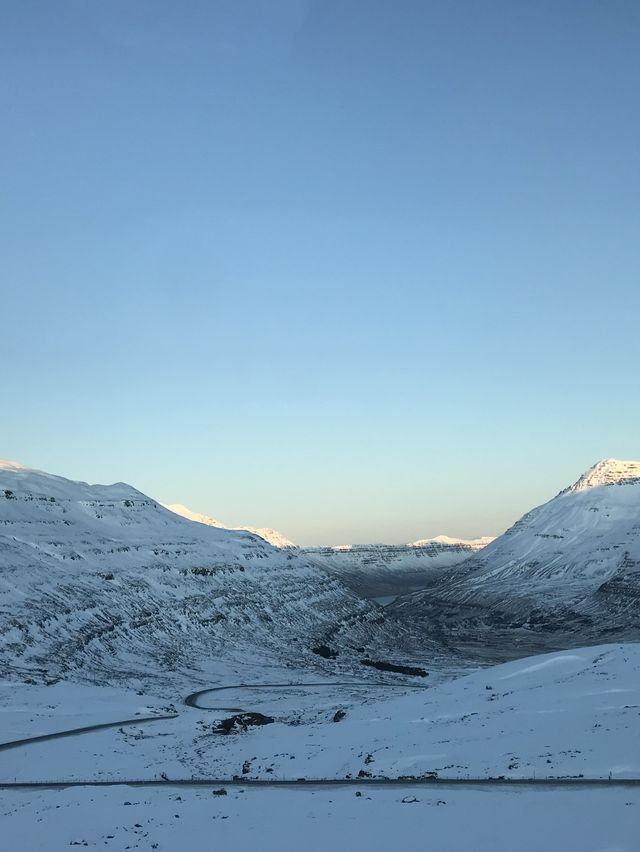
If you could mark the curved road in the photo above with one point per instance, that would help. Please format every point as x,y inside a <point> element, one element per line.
<point>192,699</point>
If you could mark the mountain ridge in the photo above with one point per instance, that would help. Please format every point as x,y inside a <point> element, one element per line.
<point>273,537</point>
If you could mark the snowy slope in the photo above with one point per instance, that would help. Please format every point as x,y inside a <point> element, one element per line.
<point>190,515</point>
<point>571,563</point>
<point>275,538</point>
<point>103,582</point>
<point>378,570</point>
<point>271,536</point>
<point>569,714</point>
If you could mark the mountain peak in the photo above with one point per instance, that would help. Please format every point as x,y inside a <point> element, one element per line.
<point>183,511</point>
<point>271,536</point>
<point>607,472</point>
<point>6,464</point>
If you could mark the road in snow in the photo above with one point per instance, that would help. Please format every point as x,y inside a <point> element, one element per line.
<point>193,699</point>
<point>87,729</point>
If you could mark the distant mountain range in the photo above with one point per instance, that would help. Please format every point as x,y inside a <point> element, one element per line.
<point>382,570</point>
<point>370,570</point>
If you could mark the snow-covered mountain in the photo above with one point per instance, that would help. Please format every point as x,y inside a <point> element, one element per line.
<point>190,515</point>
<point>571,564</point>
<point>473,544</point>
<point>275,538</point>
<point>272,536</point>
<point>380,570</point>
<point>102,581</point>
<point>607,472</point>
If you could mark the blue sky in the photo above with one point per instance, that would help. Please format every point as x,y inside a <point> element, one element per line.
<point>355,270</point>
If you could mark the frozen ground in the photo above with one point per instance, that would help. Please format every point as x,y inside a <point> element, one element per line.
<point>571,715</point>
<point>564,715</point>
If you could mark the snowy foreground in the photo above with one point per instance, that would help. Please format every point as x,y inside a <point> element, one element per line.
<point>568,715</point>
<point>444,820</point>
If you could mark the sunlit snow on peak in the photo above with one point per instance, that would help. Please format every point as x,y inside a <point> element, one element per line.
<point>607,472</point>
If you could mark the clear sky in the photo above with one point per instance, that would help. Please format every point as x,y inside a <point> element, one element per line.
<point>360,271</point>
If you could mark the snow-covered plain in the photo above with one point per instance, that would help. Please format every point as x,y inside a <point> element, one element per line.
<point>378,820</point>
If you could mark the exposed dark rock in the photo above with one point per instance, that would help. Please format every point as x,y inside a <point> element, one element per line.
<point>240,722</point>
<point>394,667</point>
<point>325,651</point>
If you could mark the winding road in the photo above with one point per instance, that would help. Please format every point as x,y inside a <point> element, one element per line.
<point>192,700</point>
